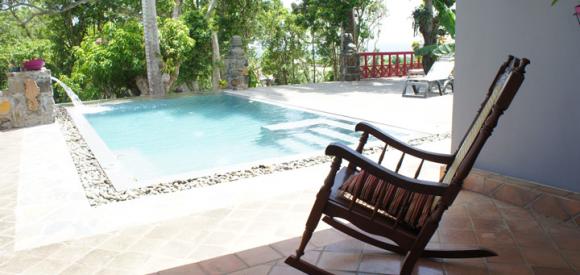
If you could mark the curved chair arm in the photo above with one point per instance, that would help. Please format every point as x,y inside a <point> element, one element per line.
<point>388,139</point>
<point>413,185</point>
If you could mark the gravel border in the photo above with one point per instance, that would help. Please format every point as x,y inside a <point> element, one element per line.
<point>100,191</point>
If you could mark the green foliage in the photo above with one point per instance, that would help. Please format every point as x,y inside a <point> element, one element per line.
<point>97,47</point>
<point>284,44</point>
<point>28,49</point>
<point>443,24</point>
<point>197,65</point>
<point>15,53</point>
<point>176,45</point>
<point>110,61</point>
<point>326,18</point>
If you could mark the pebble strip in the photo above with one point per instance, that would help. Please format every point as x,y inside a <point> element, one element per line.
<point>100,191</point>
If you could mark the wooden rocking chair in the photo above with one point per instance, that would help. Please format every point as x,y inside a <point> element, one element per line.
<point>378,201</point>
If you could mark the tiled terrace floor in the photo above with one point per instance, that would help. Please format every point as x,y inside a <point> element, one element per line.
<point>525,244</point>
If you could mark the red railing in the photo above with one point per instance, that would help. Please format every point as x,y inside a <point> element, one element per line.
<point>385,64</point>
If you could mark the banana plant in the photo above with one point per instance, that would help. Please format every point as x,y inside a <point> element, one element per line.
<point>445,19</point>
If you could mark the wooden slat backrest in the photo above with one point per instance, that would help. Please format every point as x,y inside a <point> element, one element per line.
<point>500,95</point>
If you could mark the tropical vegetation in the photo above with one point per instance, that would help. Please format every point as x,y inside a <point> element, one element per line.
<point>119,48</point>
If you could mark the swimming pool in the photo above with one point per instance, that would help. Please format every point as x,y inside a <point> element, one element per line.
<point>156,138</point>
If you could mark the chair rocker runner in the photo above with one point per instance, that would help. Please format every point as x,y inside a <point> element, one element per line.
<point>382,202</point>
<point>439,76</point>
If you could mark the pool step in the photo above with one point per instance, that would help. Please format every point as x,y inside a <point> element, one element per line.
<point>312,138</point>
<point>335,135</point>
<point>292,145</point>
<point>307,123</point>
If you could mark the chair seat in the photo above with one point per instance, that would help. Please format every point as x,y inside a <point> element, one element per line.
<point>385,199</point>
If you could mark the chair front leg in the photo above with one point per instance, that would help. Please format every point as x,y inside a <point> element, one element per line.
<point>318,207</point>
<point>419,246</point>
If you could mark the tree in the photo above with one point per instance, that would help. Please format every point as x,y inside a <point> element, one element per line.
<point>285,45</point>
<point>328,19</point>
<point>434,26</point>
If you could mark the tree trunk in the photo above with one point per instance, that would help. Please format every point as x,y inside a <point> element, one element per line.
<point>152,51</point>
<point>429,36</point>
<point>313,58</point>
<point>216,60</point>
<point>336,75</point>
<point>215,51</point>
<point>173,77</point>
<point>176,9</point>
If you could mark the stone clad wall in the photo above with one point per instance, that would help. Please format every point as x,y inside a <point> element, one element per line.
<point>236,65</point>
<point>28,101</point>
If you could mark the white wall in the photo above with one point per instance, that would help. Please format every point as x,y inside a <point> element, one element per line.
<point>539,136</point>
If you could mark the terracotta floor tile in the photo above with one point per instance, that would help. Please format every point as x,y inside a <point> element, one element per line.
<point>532,238</point>
<point>523,224</point>
<point>567,242</point>
<point>484,212</point>
<point>553,271</point>
<point>544,258</point>
<point>326,237</point>
<point>339,261</point>
<point>256,270</point>
<point>486,238</point>
<point>346,246</point>
<point>456,210</point>
<point>564,229</point>
<point>376,263</point>
<point>506,255</point>
<point>428,267</point>
<point>516,213</point>
<point>190,269</point>
<point>223,264</point>
<point>489,224</point>
<point>288,247</point>
<point>459,268</point>
<point>573,258</point>
<point>452,236</point>
<point>514,194</point>
<point>284,270</point>
<point>456,222</point>
<point>509,269</point>
<point>554,206</point>
<point>259,255</point>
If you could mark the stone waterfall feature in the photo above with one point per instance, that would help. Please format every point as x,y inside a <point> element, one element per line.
<point>28,101</point>
<point>236,65</point>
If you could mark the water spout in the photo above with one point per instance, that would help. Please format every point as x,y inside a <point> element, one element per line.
<point>76,101</point>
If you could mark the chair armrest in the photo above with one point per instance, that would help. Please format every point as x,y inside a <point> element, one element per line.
<point>413,185</point>
<point>390,140</point>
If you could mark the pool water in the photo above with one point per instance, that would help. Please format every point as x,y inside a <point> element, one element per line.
<point>162,137</point>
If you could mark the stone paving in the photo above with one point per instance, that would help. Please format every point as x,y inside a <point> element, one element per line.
<point>375,100</point>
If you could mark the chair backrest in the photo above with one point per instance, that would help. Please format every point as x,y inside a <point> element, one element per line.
<point>503,89</point>
<point>441,69</point>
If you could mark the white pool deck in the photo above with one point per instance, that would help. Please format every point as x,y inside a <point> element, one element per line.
<point>48,227</point>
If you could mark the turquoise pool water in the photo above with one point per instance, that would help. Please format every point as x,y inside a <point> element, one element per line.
<point>163,137</point>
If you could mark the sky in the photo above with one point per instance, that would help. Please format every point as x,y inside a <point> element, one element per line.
<point>396,30</point>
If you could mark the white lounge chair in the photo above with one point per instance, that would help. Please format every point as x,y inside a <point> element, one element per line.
<point>439,75</point>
